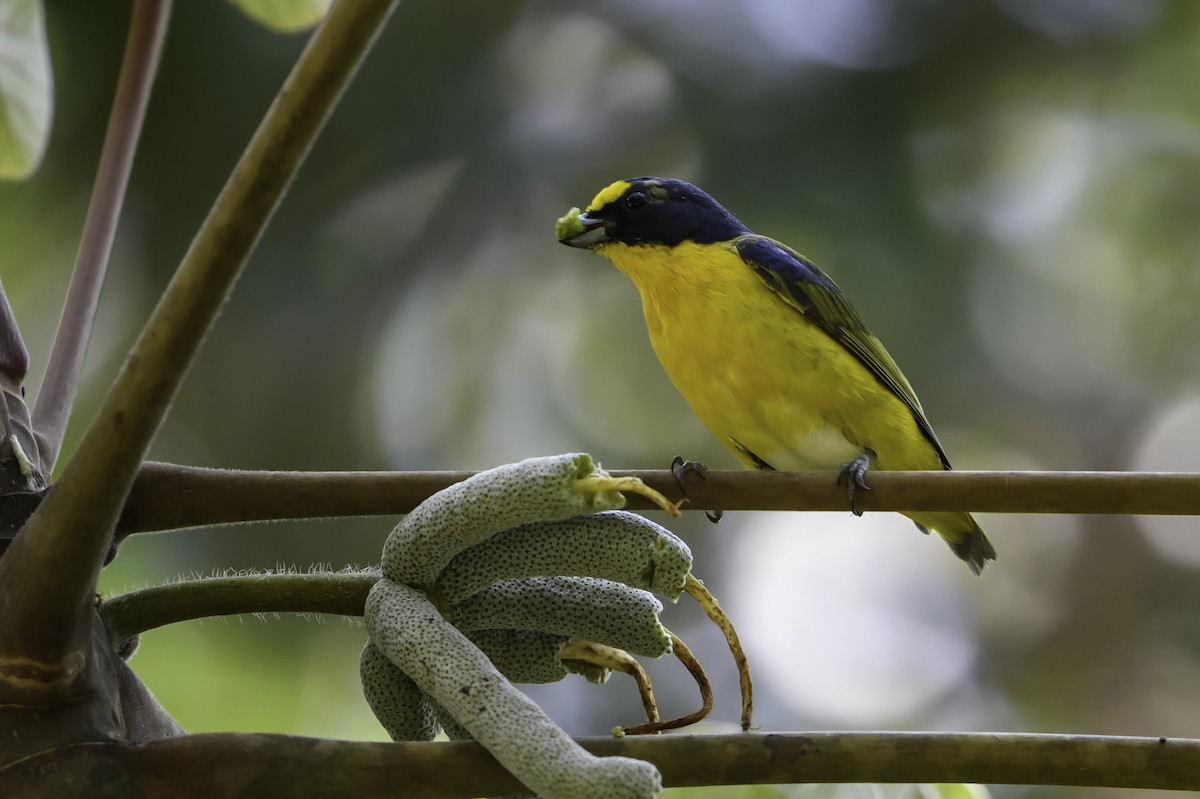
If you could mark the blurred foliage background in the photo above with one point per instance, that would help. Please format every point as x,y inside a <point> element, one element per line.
<point>1006,189</point>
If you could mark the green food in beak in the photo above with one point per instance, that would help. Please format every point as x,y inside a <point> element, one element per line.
<point>577,229</point>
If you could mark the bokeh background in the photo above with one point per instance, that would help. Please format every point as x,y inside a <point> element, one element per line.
<point>1006,189</point>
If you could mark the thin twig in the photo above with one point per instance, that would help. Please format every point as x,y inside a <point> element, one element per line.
<point>577,653</point>
<point>684,655</point>
<point>166,497</point>
<point>695,588</point>
<point>49,573</point>
<point>147,31</point>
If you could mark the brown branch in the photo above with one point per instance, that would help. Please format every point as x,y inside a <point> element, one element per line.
<point>166,497</point>
<point>268,766</point>
<point>1169,493</point>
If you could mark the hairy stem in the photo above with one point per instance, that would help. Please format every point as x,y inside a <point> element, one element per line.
<point>49,573</point>
<point>147,31</point>
<point>341,593</point>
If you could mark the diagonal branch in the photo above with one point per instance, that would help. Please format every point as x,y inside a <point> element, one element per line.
<point>147,30</point>
<point>48,576</point>
<point>14,358</point>
<point>20,465</point>
<point>268,766</point>
<point>166,496</point>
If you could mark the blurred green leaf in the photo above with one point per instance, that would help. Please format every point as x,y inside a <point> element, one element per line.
<point>954,791</point>
<point>729,792</point>
<point>284,16</point>
<point>26,88</point>
<point>833,791</point>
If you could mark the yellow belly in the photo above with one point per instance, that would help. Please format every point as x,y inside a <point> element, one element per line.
<point>758,374</point>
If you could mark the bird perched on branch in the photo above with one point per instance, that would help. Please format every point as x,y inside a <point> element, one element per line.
<point>764,346</point>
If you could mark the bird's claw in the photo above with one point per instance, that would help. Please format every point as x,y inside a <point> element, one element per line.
<point>682,469</point>
<point>855,475</point>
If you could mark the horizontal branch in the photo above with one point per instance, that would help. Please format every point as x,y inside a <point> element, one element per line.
<point>446,770</point>
<point>340,593</point>
<point>268,766</point>
<point>167,497</point>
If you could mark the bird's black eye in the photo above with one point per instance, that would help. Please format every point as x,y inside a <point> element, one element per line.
<point>635,200</point>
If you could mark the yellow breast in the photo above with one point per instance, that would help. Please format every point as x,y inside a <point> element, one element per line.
<point>755,372</point>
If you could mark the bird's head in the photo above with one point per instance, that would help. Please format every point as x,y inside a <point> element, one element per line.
<point>647,210</point>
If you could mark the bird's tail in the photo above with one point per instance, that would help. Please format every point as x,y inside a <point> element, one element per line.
<point>962,533</point>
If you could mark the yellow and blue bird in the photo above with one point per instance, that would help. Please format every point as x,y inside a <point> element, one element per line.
<point>764,346</point>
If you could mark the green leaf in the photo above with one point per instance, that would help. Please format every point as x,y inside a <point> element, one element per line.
<point>833,791</point>
<point>283,16</point>
<point>956,791</point>
<point>26,88</point>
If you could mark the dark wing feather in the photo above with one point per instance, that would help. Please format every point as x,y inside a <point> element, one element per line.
<point>801,284</point>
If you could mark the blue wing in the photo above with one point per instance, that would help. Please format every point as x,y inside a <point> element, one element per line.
<point>802,285</point>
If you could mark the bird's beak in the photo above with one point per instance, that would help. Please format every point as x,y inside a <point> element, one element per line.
<point>582,230</point>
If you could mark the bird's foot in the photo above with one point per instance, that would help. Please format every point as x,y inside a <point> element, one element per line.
<point>855,475</point>
<point>682,469</point>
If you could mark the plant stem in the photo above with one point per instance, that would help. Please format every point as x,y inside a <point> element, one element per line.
<point>48,577</point>
<point>918,757</point>
<point>341,593</point>
<point>270,766</point>
<point>147,31</point>
<point>14,358</point>
<point>166,496</point>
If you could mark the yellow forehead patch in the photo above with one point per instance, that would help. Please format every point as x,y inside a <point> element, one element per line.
<point>609,194</point>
